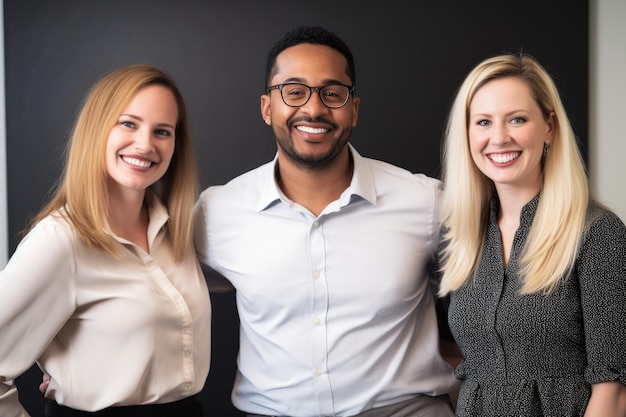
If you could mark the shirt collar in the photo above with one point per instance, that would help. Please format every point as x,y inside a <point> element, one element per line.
<point>157,213</point>
<point>157,216</point>
<point>526,216</point>
<point>362,183</point>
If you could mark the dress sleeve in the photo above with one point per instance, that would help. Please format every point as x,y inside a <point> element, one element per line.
<point>37,296</point>
<point>601,270</point>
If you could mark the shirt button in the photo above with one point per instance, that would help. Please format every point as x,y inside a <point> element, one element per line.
<point>316,274</point>
<point>316,224</point>
<point>317,322</point>
<point>318,372</point>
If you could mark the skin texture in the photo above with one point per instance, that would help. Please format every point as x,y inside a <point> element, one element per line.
<point>607,399</point>
<point>314,164</point>
<point>138,152</point>
<point>507,134</point>
<point>143,135</point>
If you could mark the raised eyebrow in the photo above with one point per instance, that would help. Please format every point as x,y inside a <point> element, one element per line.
<point>167,125</point>
<point>519,113</point>
<point>132,116</point>
<point>303,81</point>
<point>293,80</point>
<point>335,82</point>
<point>512,113</point>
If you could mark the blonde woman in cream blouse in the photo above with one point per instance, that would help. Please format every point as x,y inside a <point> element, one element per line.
<point>104,292</point>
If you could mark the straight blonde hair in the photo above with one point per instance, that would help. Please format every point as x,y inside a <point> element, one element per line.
<point>81,194</point>
<point>552,245</point>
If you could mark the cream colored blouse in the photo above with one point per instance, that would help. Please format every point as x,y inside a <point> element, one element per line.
<point>109,332</point>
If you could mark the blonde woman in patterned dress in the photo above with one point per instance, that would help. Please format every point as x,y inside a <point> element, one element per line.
<point>533,269</point>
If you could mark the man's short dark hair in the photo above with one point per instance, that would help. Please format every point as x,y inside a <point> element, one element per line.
<point>309,34</point>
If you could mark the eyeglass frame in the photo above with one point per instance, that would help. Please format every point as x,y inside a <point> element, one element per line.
<point>279,87</point>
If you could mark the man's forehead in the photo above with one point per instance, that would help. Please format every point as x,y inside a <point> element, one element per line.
<point>311,62</point>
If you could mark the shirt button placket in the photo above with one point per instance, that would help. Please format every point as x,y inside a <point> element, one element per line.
<point>319,310</point>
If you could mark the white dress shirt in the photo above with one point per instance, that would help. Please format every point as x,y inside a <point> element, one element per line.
<point>336,311</point>
<point>109,332</point>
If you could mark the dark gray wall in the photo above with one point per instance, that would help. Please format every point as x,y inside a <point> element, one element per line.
<point>410,58</point>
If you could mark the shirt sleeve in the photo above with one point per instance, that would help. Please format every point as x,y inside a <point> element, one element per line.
<point>215,281</point>
<point>436,188</point>
<point>442,304</point>
<point>37,296</point>
<point>602,274</point>
<point>200,229</point>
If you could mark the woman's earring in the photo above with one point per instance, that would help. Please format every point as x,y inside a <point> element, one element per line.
<point>546,149</point>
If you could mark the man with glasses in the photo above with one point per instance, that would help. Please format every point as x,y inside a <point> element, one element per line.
<point>328,252</point>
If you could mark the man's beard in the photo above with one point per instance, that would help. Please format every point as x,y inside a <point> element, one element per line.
<point>313,162</point>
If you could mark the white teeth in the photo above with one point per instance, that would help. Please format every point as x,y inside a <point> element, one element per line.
<point>137,162</point>
<point>502,158</point>
<point>308,129</point>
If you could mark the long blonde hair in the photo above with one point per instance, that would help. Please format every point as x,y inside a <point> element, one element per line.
<point>82,189</point>
<point>551,248</point>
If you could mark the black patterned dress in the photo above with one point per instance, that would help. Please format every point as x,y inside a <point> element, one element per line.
<point>536,355</point>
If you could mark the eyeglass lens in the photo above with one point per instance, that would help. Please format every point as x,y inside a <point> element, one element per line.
<point>332,95</point>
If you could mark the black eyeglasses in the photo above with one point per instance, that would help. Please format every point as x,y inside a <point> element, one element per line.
<point>333,96</point>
